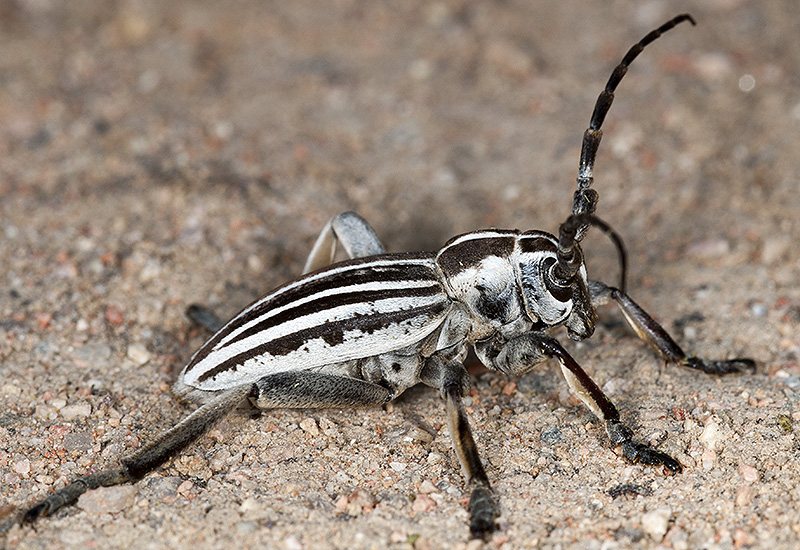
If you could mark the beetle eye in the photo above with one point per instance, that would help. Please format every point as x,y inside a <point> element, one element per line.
<point>561,289</point>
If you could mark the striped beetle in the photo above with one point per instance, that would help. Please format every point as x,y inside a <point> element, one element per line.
<point>359,332</point>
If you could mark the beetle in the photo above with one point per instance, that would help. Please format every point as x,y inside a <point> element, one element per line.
<point>358,333</point>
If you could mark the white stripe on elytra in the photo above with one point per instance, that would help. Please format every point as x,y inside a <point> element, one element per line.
<point>368,286</point>
<point>388,262</point>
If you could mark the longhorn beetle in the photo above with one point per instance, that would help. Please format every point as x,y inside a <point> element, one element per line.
<point>359,332</point>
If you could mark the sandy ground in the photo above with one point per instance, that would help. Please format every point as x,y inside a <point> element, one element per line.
<point>156,154</point>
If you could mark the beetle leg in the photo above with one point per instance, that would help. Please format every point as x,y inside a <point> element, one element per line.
<point>282,390</point>
<point>205,317</point>
<point>658,339</point>
<point>350,230</point>
<point>353,232</point>
<point>521,354</point>
<point>138,464</point>
<point>452,381</point>
<point>316,390</point>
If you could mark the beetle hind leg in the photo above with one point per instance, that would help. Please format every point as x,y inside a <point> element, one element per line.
<point>143,461</point>
<point>205,317</point>
<point>316,390</point>
<point>282,390</point>
<point>349,230</point>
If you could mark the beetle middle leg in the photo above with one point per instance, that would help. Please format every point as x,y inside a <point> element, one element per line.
<point>658,339</point>
<point>348,229</point>
<point>519,355</point>
<point>352,232</point>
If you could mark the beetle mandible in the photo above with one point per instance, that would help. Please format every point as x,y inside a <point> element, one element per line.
<point>360,332</point>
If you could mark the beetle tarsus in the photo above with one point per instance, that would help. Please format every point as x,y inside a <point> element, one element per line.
<point>482,512</point>
<point>636,451</point>
<point>70,493</point>
<point>205,317</point>
<point>728,366</point>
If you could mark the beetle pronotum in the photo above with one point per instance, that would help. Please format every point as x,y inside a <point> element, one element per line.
<point>360,332</point>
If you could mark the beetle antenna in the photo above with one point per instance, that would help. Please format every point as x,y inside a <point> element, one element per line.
<point>569,257</point>
<point>585,198</point>
<point>621,252</point>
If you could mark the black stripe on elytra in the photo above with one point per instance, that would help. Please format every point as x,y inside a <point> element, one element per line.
<point>460,256</point>
<point>337,277</point>
<point>331,333</point>
<point>331,301</point>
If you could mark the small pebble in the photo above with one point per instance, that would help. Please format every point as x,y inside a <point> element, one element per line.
<point>711,435</point>
<point>749,473</point>
<point>341,503</point>
<point>434,458</point>
<point>246,527</point>
<point>744,496</point>
<point>309,425</point>
<point>362,498</point>
<point>138,354</point>
<point>415,434</point>
<point>427,487</point>
<point>108,500</point>
<point>423,503</point>
<point>551,435</point>
<point>23,467</point>
<point>114,315</point>
<point>75,411</point>
<point>249,504</point>
<point>742,538</point>
<point>708,459</point>
<point>709,249</point>
<point>78,442</point>
<point>679,539</point>
<point>655,522</point>
<point>58,403</point>
<point>11,389</point>
<point>184,488</point>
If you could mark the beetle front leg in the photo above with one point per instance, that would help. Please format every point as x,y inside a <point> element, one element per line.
<point>353,232</point>
<point>452,381</point>
<point>521,354</point>
<point>658,339</point>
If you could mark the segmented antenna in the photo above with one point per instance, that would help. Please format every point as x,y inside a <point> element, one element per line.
<point>569,260</point>
<point>584,201</point>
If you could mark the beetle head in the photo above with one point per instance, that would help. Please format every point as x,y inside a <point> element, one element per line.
<point>551,297</point>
